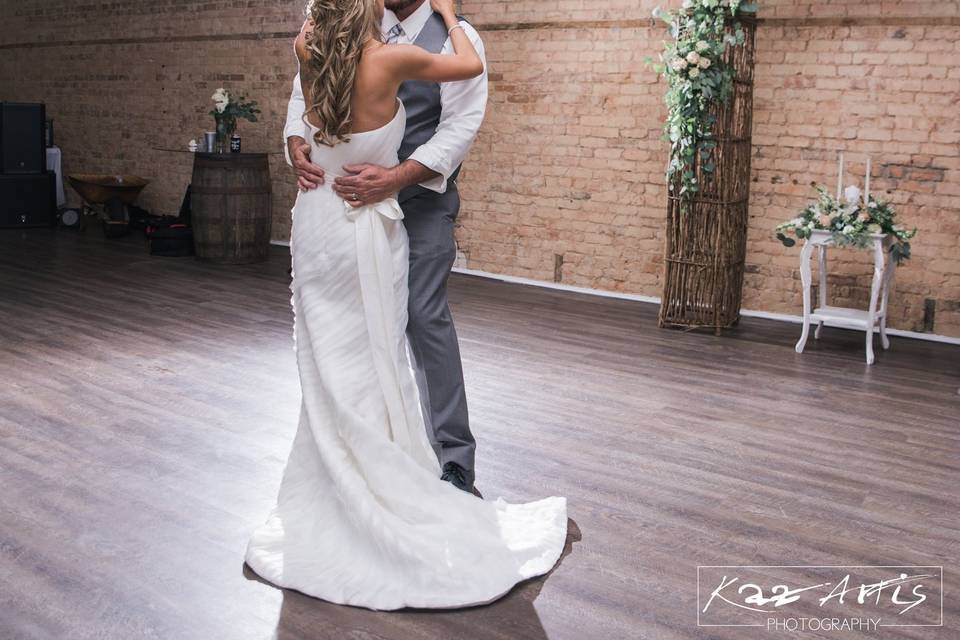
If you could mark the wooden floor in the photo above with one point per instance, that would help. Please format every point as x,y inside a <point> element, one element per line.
<point>147,406</point>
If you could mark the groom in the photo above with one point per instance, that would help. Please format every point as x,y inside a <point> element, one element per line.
<point>442,122</point>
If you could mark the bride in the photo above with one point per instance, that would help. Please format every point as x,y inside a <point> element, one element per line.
<point>362,516</point>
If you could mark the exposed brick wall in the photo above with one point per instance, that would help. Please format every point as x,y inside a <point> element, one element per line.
<point>571,91</point>
<point>886,91</point>
<point>570,161</point>
<point>130,101</point>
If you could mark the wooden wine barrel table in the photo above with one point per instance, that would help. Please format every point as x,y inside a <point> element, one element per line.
<point>231,207</point>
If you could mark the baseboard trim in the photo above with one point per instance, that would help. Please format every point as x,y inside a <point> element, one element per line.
<point>557,286</point>
<point>766,315</point>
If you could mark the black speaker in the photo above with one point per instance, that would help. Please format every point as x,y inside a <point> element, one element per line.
<point>23,147</point>
<point>28,200</point>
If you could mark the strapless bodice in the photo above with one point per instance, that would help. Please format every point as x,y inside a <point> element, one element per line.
<point>377,146</point>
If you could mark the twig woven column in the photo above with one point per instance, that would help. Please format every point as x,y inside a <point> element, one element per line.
<point>706,235</point>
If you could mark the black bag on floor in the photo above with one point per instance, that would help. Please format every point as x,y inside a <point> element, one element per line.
<point>171,241</point>
<point>185,207</point>
<point>171,237</point>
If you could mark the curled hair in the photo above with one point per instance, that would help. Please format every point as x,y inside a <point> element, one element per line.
<point>341,29</point>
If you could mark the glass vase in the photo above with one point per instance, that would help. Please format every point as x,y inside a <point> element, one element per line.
<point>225,129</point>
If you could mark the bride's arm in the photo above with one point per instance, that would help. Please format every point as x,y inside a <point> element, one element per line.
<point>414,63</point>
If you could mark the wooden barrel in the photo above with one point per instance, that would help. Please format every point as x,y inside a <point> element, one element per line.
<point>231,207</point>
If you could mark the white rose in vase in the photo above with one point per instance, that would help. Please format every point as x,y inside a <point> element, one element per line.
<point>695,72</point>
<point>693,57</point>
<point>221,98</point>
<point>704,63</point>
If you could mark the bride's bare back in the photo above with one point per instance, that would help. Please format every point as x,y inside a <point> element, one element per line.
<point>382,67</point>
<point>374,101</point>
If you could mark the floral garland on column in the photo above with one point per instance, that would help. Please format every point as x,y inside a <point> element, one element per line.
<point>697,79</point>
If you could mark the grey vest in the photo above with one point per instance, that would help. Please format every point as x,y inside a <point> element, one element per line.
<point>421,99</point>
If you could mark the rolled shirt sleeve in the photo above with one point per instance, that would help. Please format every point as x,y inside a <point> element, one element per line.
<point>464,104</point>
<point>295,109</point>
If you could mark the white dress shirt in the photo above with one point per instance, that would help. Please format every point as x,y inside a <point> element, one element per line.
<point>463,105</point>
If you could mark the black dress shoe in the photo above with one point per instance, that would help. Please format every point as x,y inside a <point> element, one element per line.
<point>457,476</point>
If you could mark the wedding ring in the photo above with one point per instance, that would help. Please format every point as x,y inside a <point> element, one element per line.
<point>356,197</point>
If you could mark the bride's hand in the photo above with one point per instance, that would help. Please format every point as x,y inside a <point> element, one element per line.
<point>444,7</point>
<point>414,63</point>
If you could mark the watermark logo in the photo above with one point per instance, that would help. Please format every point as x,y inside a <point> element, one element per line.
<point>819,598</point>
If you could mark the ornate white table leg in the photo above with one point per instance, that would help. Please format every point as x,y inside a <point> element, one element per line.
<point>879,260</point>
<point>822,288</point>
<point>891,266</point>
<point>805,279</point>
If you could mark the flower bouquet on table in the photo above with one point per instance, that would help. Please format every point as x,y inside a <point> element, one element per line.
<point>227,110</point>
<point>851,219</point>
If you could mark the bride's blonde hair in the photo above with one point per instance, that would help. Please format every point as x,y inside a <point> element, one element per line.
<point>341,29</point>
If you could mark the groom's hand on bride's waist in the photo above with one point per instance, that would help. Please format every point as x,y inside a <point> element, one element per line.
<point>309,175</point>
<point>366,184</point>
<point>370,183</point>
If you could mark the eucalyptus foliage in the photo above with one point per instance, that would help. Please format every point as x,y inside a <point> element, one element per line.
<point>697,79</point>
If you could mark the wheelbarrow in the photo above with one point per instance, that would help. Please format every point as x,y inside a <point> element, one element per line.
<point>108,197</point>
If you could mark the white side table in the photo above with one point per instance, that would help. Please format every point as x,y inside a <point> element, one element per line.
<point>883,269</point>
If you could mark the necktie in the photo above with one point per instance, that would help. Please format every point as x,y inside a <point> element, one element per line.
<point>394,34</point>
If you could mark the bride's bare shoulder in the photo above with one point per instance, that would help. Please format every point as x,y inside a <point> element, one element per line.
<point>300,43</point>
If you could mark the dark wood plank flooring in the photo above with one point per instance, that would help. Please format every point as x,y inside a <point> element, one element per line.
<point>147,406</point>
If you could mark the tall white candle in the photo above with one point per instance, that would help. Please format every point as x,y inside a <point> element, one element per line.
<point>866,187</point>
<point>840,176</point>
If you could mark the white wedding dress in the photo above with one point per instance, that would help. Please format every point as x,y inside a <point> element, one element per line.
<point>362,516</point>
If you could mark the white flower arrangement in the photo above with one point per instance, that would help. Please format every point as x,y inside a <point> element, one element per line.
<point>228,107</point>
<point>850,220</point>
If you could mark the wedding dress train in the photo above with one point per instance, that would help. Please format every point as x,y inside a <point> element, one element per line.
<point>362,517</point>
